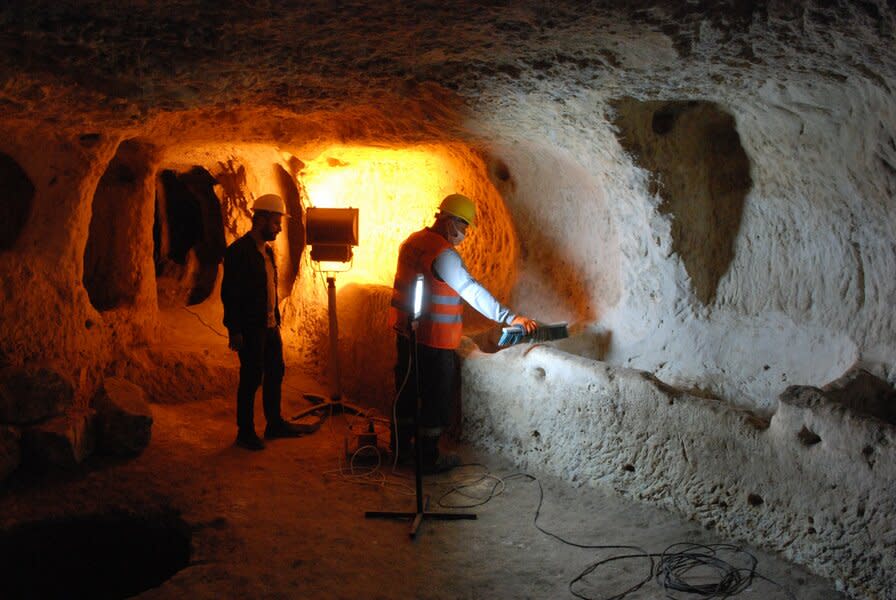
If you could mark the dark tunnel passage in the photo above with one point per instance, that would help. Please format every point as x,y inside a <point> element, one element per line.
<point>18,194</point>
<point>188,237</point>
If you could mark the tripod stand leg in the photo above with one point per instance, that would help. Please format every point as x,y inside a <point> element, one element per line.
<point>336,402</point>
<point>417,518</point>
<point>422,501</point>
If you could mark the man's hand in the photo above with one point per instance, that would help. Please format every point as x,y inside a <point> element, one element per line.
<point>236,341</point>
<point>526,323</point>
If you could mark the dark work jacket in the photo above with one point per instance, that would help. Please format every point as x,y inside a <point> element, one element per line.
<point>244,290</point>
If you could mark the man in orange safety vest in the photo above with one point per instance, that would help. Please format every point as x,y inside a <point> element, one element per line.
<point>430,253</point>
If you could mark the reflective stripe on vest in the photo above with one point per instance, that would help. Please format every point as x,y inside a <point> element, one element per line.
<point>445,299</point>
<point>437,318</point>
<point>440,325</point>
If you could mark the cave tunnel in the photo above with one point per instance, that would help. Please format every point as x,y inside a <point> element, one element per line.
<point>188,236</point>
<point>695,201</point>
<point>19,197</point>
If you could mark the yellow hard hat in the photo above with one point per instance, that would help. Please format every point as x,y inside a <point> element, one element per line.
<point>270,203</point>
<point>458,205</point>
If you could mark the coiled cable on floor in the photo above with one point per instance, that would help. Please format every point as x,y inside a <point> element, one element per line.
<point>676,569</point>
<point>467,485</point>
<point>681,563</point>
<point>370,475</point>
<point>678,562</point>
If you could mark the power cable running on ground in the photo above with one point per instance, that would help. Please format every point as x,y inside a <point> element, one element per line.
<point>201,320</point>
<point>671,568</point>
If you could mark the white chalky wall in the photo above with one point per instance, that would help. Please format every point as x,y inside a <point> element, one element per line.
<point>599,425</point>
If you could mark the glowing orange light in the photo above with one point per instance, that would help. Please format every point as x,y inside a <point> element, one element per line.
<point>396,190</point>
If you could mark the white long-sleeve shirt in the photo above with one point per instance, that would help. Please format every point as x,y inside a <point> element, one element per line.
<point>449,266</point>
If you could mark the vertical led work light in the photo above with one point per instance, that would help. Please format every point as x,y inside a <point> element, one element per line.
<point>421,511</point>
<point>418,298</point>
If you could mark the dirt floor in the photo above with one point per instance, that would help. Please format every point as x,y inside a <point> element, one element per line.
<point>283,523</point>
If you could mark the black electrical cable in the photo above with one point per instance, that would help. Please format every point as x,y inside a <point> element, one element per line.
<point>676,566</point>
<point>461,489</point>
<point>201,320</point>
<point>394,424</point>
<point>641,553</point>
<point>721,578</point>
<point>674,569</point>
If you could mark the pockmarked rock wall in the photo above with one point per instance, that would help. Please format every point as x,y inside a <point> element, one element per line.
<point>814,483</point>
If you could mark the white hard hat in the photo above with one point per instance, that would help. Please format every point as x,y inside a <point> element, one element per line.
<point>270,203</point>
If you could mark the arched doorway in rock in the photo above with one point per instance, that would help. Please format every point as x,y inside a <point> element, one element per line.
<point>113,262</point>
<point>188,237</point>
<point>19,196</point>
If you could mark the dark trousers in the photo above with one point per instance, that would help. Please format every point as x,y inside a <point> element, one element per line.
<point>437,369</point>
<point>261,363</point>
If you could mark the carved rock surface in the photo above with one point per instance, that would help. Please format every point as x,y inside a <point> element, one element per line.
<point>31,395</point>
<point>124,418</point>
<point>10,451</point>
<point>63,441</point>
<point>864,393</point>
<point>810,483</point>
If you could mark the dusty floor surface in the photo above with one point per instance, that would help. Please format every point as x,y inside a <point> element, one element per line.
<point>273,524</point>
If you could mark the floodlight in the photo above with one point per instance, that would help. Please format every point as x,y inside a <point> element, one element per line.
<point>331,233</point>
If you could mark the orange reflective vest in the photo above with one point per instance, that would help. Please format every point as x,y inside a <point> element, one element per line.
<point>440,324</point>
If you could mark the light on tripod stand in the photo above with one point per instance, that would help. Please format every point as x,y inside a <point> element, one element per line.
<point>421,511</point>
<point>331,233</point>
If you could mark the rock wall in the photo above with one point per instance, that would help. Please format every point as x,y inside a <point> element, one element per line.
<point>811,483</point>
<point>46,313</point>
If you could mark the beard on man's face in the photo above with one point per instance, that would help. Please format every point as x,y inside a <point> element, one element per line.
<point>269,230</point>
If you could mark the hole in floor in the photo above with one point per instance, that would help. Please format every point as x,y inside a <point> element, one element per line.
<point>112,555</point>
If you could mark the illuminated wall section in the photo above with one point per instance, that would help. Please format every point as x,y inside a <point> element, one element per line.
<point>397,192</point>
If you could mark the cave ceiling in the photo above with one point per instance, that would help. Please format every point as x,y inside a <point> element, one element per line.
<point>118,64</point>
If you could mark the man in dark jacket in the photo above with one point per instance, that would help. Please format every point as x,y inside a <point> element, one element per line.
<point>252,318</point>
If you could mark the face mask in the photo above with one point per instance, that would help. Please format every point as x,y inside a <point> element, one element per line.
<point>457,236</point>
